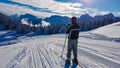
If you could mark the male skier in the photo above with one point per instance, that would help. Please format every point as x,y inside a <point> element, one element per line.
<point>73,35</point>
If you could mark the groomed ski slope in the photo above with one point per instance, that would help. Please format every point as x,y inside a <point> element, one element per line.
<point>94,50</point>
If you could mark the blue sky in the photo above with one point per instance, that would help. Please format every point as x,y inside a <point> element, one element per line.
<point>104,5</point>
<point>46,8</point>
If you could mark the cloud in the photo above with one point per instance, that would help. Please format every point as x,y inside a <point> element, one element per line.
<point>10,9</point>
<point>47,8</point>
<point>94,12</point>
<point>52,5</point>
<point>63,8</point>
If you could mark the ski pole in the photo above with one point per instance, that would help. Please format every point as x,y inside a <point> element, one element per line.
<point>64,45</point>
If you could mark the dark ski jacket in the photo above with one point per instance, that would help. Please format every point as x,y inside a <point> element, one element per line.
<point>73,31</point>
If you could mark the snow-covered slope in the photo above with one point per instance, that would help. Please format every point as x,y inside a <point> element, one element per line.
<point>32,51</point>
<point>110,30</point>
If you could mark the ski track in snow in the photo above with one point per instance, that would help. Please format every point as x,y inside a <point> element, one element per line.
<point>45,51</point>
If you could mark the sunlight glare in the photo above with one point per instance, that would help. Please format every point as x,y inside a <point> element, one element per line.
<point>87,1</point>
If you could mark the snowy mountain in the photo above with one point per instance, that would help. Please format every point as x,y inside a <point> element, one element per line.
<point>33,51</point>
<point>54,19</point>
<point>57,19</point>
<point>88,18</point>
<point>31,19</point>
<point>108,16</point>
<point>85,18</point>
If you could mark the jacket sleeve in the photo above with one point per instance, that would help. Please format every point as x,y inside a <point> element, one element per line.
<point>68,28</point>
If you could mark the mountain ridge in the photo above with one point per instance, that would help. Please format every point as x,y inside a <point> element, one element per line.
<point>57,19</point>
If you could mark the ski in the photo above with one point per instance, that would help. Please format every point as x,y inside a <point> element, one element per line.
<point>63,58</point>
<point>79,64</point>
<point>74,65</point>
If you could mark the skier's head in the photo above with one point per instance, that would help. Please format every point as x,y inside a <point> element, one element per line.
<point>74,20</point>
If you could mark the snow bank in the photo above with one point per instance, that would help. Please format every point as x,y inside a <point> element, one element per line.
<point>109,30</point>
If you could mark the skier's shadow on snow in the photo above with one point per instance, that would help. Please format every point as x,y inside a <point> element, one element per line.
<point>7,38</point>
<point>10,37</point>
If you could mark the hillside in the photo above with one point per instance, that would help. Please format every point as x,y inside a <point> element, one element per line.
<point>109,30</point>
